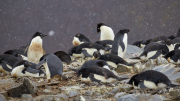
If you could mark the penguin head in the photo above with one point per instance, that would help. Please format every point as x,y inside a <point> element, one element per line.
<point>168,42</point>
<point>133,80</point>
<point>39,34</point>
<point>96,55</point>
<point>124,31</point>
<point>99,26</point>
<point>27,64</point>
<point>177,47</point>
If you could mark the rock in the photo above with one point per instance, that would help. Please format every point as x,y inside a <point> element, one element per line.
<point>100,100</point>
<point>138,68</point>
<point>82,98</point>
<point>47,91</point>
<point>157,98</point>
<point>132,51</point>
<point>59,97</point>
<point>73,93</point>
<point>115,90</point>
<point>150,63</point>
<point>6,83</point>
<point>67,89</point>
<point>2,98</point>
<point>118,95</point>
<point>4,93</point>
<point>26,97</point>
<point>64,77</point>
<point>64,97</point>
<point>28,87</point>
<point>175,94</point>
<point>88,93</point>
<point>161,61</point>
<point>123,68</point>
<point>126,88</point>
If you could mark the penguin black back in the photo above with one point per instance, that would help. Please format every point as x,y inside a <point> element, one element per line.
<point>82,38</point>
<point>63,56</point>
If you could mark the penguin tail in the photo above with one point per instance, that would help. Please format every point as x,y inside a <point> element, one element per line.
<point>174,85</point>
<point>120,79</point>
<point>135,58</point>
<point>131,64</point>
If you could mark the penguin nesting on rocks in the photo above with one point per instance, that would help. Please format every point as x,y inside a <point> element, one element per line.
<point>112,59</point>
<point>63,56</point>
<point>120,43</point>
<point>150,79</point>
<point>97,74</point>
<point>174,55</point>
<point>52,64</point>
<point>105,31</point>
<point>106,43</point>
<point>87,49</point>
<point>35,49</point>
<point>152,51</point>
<point>79,39</point>
<point>24,68</point>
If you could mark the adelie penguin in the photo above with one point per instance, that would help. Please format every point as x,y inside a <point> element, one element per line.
<point>35,49</point>
<point>97,74</point>
<point>52,65</point>
<point>107,44</point>
<point>63,56</point>
<point>79,39</point>
<point>112,59</point>
<point>150,79</point>
<point>24,68</point>
<point>105,31</point>
<point>120,43</point>
<point>87,49</point>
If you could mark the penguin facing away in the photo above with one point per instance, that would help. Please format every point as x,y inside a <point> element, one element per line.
<point>35,49</point>
<point>120,43</point>
<point>79,39</point>
<point>105,31</point>
<point>52,64</point>
<point>112,59</point>
<point>97,74</point>
<point>150,79</point>
<point>24,68</point>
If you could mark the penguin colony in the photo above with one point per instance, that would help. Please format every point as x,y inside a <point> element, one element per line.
<point>106,53</point>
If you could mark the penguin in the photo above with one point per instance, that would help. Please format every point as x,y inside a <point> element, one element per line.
<point>176,41</point>
<point>159,39</point>
<point>87,49</point>
<point>79,39</point>
<point>120,43</point>
<point>52,65</point>
<point>174,55</point>
<point>7,62</point>
<point>171,37</point>
<point>150,79</point>
<point>98,74</point>
<point>90,63</point>
<point>152,51</point>
<point>138,43</point>
<point>178,33</point>
<point>72,50</point>
<point>112,59</point>
<point>105,31</point>
<point>63,56</point>
<point>35,49</point>
<point>145,42</point>
<point>105,43</point>
<point>24,68</point>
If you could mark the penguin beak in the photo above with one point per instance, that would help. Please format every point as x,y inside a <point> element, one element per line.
<point>168,59</point>
<point>44,35</point>
<point>94,58</point>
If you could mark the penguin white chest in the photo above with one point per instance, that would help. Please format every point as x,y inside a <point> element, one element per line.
<point>106,33</point>
<point>90,51</point>
<point>35,51</point>
<point>76,41</point>
<point>47,71</point>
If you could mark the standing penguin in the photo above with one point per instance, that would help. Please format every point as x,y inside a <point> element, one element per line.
<point>35,49</point>
<point>79,39</point>
<point>150,79</point>
<point>52,64</point>
<point>120,43</point>
<point>105,31</point>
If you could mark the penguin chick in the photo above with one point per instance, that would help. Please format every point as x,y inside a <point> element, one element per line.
<point>150,79</point>
<point>111,59</point>
<point>79,39</point>
<point>24,68</point>
<point>87,49</point>
<point>35,49</point>
<point>97,74</point>
<point>107,44</point>
<point>63,56</point>
<point>52,64</point>
<point>91,63</point>
<point>105,31</point>
<point>153,51</point>
<point>120,43</point>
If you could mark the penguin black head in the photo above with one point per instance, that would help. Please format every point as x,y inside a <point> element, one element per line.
<point>133,79</point>
<point>27,64</point>
<point>96,54</point>
<point>39,34</point>
<point>168,42</point>
<point>124,31</point>
<point>82,37</point>
<point>99,26</point>
<point>101,63</point>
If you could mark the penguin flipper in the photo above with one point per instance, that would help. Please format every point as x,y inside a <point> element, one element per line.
<point>30,70</point>
<point>39,65</point>
<point>121,43</point>
<point>4,66</point>
<point>91,76</point>
<point>156,55</point>
<point>26,49</point>
<point>174,85</point>
<point>141,85</point>
<point>85,53</point>
<point>44,51</point>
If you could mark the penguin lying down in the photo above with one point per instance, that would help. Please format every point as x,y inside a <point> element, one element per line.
<point>97,74</point>
<point>150,79</point>
<point>24,68</point>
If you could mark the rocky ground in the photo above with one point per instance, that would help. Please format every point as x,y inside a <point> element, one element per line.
<point>70,88</point>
